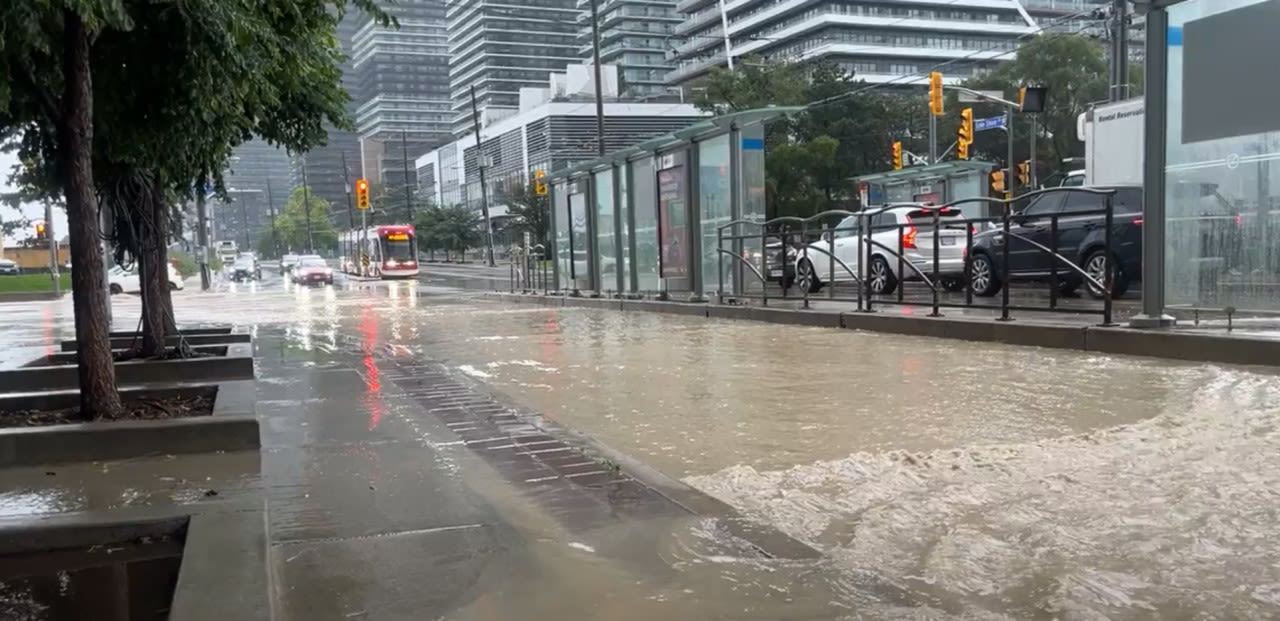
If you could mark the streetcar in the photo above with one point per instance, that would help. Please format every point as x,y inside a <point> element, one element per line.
<point>386,252</point>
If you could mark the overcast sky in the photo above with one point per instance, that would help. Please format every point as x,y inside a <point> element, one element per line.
<point>32,212</point>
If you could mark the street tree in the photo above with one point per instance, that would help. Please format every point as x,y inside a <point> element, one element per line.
<point>453,229</point>
<point>1074,69</point>
<point>530,212</point>
<point>46,105</point>
<point>297,233</point>
<point>845,131</point>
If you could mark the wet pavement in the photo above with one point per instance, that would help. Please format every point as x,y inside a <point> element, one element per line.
<point>407,475</point>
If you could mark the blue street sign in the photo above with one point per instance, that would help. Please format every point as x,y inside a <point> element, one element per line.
<point>995,122</point>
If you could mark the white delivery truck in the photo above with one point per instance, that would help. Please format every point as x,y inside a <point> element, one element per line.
<point>227,252</point>
<point>1112,135</point>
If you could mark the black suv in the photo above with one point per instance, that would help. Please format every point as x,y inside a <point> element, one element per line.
<point>1081,239</point>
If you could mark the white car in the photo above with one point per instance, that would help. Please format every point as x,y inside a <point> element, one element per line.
<point>907,226</point>
<point>123,280</point>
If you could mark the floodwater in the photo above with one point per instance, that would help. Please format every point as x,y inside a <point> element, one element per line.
<point>977,480</point>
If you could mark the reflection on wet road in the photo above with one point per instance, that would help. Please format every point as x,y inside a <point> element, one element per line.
<point>940,479</point>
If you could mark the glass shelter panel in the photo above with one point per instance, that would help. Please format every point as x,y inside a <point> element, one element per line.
<point>714,204</point>
<point>1222,188</point>
<point>624,228</point>
<point>606,242</point>
<point>645,203</point>
<point>563,245</point>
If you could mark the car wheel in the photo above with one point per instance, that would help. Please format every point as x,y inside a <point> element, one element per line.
<point>953,284</point>
<point>807,277</point>
<point>116,289</point>
<point>882,280</point>
<point>1096,265</point>
<point>982,276</point>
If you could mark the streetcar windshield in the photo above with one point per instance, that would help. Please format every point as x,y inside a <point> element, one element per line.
<point>398,247</point>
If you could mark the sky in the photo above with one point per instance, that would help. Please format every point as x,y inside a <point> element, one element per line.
<point>31,211</point>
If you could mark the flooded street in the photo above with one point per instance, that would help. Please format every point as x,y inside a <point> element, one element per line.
<point>940,479</point>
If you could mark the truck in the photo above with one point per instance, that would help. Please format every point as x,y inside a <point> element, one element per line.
<point>1112,136</point>
<point>226,251</point>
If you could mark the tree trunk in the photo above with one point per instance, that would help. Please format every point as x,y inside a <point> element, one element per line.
<point>99,396</point>
<point>153,244</point>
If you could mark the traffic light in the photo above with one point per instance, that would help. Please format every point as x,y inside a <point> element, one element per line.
<point>897,156</point>
<point>1032,98</point>
<point>964,135</point>
<point>540,186</point>
<point>362,193</point>
<point>997,181</point>
<point>1024,173</point>
<point>41,232</point>
<point>935,93</point>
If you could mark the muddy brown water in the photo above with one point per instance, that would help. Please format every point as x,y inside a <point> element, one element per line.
<point>982,481</point>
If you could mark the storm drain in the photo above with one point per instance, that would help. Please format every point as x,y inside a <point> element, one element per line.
<point>579,491</point>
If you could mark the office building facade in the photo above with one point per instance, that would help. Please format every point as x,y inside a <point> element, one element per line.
<point>879,42</point>
<point>258,181</point>
<point>498,47</point>
<point>401,90</point>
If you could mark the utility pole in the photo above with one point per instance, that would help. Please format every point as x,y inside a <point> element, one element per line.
<point>271,206</point>
<point>1119,51</point>
<point>202,236</point>
<point>53,247</point>
<point>408,194</point>
<point>351,218</point>
<point>306,207</point>
<point>484,188</point>
<point>595,54</point>
<point>244,219</point>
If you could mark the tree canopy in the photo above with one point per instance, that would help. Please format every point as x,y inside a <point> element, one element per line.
<point>292,224</point>
<point>530,212</point>
<point>455,228</point>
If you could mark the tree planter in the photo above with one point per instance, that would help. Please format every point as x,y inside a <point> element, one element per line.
<point>195,340</point>
<point>184,332</point>
<point>73,357</point>
<point>237,365</point>
<point>114,571</point>
<point>232,426</point>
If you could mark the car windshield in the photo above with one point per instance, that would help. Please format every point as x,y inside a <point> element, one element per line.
<point>290,258</point>
<point>311,262</point>
<point>245,262</point>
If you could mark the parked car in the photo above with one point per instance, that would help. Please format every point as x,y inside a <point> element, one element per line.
<point>909,227</point>
<point>9,268</point>
<point>246,268</point>
<point>312,270</point>
<point>287,262</point>
<point>1081,240</point>
<point>122,280</point>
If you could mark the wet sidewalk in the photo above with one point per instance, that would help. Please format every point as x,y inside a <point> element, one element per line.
<point>398,489</point>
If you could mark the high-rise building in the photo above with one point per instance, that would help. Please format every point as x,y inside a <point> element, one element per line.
<point>402,89</point>
<point>635,35</point>
<point>325,175</point>
<point>258,180</point>
<point>499,46</point>
<point>878,41</point>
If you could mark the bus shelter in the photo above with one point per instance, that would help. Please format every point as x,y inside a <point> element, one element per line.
<point>646,219</point>
<point>932,185</point>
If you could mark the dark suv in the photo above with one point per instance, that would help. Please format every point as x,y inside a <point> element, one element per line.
<point>1081,239</point>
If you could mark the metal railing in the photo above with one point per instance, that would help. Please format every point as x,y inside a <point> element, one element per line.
<point>530,270</point>
<point>875,280</point>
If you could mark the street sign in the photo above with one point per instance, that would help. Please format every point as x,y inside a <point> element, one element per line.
<point>971,98</point>
<point>995,122</point>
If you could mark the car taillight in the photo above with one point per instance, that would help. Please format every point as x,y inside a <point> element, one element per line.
<point>1137,221</point>
<point>1239,220</point>
<point>909,237</point>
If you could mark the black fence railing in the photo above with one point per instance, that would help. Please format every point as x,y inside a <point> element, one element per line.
<point>879,250</point>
